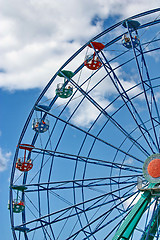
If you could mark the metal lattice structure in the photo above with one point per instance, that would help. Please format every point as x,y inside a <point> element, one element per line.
<point>90,142</point>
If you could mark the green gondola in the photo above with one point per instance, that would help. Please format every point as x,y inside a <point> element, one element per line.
<point>62,90</point>
<point>18,206</point>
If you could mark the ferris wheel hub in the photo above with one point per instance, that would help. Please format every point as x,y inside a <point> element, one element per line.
<point>151,168</point>
<point>154,168</point>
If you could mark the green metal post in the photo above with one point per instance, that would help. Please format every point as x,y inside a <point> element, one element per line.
<point>152,227</point>
<point>132,219</point>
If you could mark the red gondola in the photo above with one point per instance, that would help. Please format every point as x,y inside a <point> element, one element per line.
<point>93,62</point>
<point>21,164</point>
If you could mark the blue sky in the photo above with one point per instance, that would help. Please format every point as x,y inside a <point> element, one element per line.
<point>37,37</point>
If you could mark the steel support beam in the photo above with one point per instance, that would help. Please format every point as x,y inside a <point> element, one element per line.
<point>126,229</point>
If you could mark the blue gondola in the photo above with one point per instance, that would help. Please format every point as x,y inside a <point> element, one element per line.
<point>126,41</point>
<point>131,24</point>
<point>134,40</point>
<point>40,124</point>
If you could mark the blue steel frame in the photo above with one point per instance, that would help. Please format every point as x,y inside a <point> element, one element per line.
<point>115,198</point>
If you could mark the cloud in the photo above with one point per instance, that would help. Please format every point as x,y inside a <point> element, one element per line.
<point>35,43</point>
<point>87,112</point>
<point>4,158</point>
<point>128,8</point>
<point>132,200</point>
<point>37,37</point>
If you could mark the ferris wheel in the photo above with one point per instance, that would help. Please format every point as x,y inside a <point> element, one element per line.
<point>87,163</point>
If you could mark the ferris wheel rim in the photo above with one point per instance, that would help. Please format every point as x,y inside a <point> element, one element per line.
<point>54,100</point>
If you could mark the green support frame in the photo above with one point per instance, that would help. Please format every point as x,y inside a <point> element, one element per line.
<point>152,226</point>
<point>126,229</point>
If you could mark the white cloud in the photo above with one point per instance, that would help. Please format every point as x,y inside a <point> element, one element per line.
<point>131,201</point>
<point>127,8</point>
<point>129,161</point>
<point>87,112</point>
<point>37,37</point>
<point>36,42</point>
<point>4,158</point>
